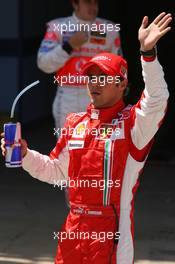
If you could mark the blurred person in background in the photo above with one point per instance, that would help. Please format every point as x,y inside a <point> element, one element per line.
<point>65,49</point>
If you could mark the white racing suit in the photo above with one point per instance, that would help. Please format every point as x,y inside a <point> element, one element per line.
<point>72,97</point>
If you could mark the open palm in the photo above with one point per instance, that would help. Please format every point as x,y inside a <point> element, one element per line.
<point>149,35</point>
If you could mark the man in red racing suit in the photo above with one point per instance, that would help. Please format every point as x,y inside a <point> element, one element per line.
<point>103,151</point>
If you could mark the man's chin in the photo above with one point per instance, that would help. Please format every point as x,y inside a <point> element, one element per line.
<point>91,17</point>
<point>97,104</point>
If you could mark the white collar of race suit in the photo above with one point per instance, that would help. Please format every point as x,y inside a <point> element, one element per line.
<point>80,21</point>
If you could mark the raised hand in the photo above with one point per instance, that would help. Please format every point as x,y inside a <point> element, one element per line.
<point>78,39</point>
<point>149,35</point>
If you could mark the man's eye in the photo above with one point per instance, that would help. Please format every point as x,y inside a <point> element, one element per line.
<point>102,78</point>
<point>92,79</point>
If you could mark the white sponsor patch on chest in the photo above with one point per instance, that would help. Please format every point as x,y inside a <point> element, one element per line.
<point>111,131</point>
<point>119,131</point>
<point>95,114</point>
<point>75,144</point>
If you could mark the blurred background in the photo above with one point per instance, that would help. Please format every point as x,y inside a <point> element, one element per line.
<point>30,211</point>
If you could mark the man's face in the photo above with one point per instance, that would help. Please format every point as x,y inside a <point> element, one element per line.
<point>104,94</point>
<point>86,9</point>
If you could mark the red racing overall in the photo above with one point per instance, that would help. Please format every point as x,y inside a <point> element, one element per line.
<point>108,146</point>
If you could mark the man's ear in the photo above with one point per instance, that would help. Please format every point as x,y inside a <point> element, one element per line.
<point>122,85</point>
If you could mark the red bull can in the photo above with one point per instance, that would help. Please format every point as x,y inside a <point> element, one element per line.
<point>12,136</point>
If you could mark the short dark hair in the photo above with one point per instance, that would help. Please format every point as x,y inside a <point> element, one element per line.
<point>74,1</point>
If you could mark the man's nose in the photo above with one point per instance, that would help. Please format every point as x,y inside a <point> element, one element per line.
<point>96,87</point>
